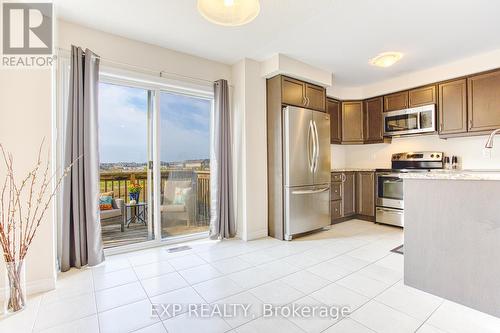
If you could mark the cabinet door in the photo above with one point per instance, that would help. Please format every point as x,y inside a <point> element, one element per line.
<point>348,194</point>
<point>292,92</point>
<point>336,191</point>
<point>453,107</point>
<point>373,130</point>
<point>333,108</point>
<point>484,102</point>
<point>316,97</point>
<point>336,209</point>
<point>396,101</point>
<point>422,96</point>
<point>365,194</point>
<point>352,122</point>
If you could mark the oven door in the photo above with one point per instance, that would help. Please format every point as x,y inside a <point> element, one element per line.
<point>410,121</point>
<point>389,188</point>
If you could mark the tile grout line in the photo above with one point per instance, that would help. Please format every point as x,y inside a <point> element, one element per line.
<point>428,317</point>
<point>95,300</point>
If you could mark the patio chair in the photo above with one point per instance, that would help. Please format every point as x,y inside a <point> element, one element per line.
<point>116,213</point>
<point>172,211</point>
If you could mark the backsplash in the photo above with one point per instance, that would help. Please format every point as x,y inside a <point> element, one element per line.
<point>470,151</point>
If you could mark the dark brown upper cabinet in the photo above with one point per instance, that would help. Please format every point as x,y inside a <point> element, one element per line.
<point>315,97</point>
<point>333,108</point>
<point>396,101</point>
<point>302,94</point>
<point>373,122</point>
<point>365,193</point>
<point>352,122</point>
<point>452,107</point>
<point>484,102</point>
<point>422,96</point>
<point>292,92</point>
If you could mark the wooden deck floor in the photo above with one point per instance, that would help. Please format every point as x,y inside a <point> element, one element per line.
<point>138,232</point>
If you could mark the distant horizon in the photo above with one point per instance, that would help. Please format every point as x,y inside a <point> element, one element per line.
<point>123,125</point>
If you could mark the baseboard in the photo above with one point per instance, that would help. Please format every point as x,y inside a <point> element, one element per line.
<point>261,233</point>
<point>37,286</point>
<point>354,217</point>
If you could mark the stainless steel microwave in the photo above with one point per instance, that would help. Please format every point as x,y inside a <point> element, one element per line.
<point>416,120</point>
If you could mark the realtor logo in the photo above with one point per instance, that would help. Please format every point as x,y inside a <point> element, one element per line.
<point>27,28</point>
<point>27,34</point>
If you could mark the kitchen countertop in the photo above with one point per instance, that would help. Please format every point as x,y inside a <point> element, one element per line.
<point>454,175</point>
<point>353,170</point>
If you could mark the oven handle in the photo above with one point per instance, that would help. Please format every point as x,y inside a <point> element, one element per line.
<point>387,175</point>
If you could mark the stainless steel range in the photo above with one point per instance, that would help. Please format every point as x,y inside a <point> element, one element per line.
<point>389,185</point>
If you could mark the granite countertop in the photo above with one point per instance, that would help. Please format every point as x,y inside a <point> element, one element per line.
<point>352,170</point>
<point>454,175</point>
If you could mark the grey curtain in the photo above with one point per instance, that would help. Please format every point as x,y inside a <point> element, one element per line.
<point>81,231</point>
<point>222,224</point>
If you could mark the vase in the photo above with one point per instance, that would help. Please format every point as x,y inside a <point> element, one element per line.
<point>15,287</point>
<point>134,196</point>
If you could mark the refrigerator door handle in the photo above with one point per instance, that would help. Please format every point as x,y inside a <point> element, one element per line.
<point>316,158</point>
<point>311,191</point>
<point>310,146</point>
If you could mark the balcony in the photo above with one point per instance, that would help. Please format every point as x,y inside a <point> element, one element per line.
<point>174,222</point>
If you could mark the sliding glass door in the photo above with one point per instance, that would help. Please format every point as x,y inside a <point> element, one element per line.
<point>155,141</point>
<point>184,153</point>
<point>125,140</point>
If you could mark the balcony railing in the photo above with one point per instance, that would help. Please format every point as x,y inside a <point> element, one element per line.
<point>119,181</point>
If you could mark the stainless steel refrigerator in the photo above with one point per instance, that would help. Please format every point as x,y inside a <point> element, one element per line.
<point>306,170</point>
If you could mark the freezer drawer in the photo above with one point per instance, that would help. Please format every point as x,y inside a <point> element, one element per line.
<point>307,208</point>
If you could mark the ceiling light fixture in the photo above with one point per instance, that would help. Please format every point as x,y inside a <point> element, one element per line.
<point>229,12</point>
<point>386,59</point>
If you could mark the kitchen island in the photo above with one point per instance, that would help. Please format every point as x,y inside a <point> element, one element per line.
<point>452,236</point>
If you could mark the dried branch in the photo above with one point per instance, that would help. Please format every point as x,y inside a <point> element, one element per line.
<point>19,222</point>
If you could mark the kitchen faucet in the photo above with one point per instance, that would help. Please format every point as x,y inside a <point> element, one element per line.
<point>489,143</point>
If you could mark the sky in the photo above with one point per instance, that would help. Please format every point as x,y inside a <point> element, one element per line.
<point>184,125</point>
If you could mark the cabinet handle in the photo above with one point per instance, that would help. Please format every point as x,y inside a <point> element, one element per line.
<point>440,127</point>
<point>304,101</point>
<point>470,124</point>
<point>307,101</point>
<point>344,178</point>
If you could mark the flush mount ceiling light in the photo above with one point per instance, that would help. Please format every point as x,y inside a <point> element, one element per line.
<point>386,59</point>
<point>229,12</point>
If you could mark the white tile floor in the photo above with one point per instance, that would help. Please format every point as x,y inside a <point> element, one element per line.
<point>350,265</point>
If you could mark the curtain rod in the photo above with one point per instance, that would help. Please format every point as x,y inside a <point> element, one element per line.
<point>159,73</point>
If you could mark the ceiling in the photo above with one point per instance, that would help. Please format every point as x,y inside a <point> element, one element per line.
<point>335,35</point>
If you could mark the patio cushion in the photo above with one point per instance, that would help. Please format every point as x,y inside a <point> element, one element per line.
<point>180,195</point>
<point>173,208</point>
<point>107,214</point>
<point>106,202</point>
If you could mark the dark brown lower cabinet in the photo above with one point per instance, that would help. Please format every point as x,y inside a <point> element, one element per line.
<point>365,193</point>
<point>349,194</point>
<point>353,195</point>
<point>336,208</point>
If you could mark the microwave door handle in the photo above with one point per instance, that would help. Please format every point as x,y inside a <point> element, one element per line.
<point>419,126</point>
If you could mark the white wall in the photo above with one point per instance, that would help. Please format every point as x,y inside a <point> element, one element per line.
<point>469,150</point>
<point>25,118</point>
<point>249,119</point>
<point>138,54</point>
